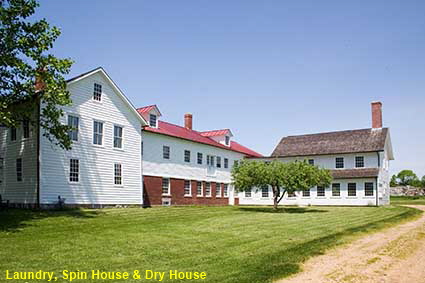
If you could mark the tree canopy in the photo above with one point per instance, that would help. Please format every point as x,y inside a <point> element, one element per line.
<point>407,178</point>
<point>282,177</point>
<point>24,59</point>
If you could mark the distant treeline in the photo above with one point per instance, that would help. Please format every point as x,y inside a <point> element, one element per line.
<point>407,178</point>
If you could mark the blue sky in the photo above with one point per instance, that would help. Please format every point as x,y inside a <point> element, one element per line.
<point>264,69</point>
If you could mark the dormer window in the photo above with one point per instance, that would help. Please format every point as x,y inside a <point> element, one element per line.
<point>152,120</point>
<point>227,140</point>
<point>97,92</point>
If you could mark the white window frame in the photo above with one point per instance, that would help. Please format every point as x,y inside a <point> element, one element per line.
<point>218,192</point>
<point>336,162</point>
<point>114,137</point>
<point>13,131</point>
<point>199,158</point>
<point>150,120</point>
<point>78,126</point>
<point>227,140</point>
<point>372,189</point>
<point>218,161</point>
<point>208,189</point>
<point>26,125</point>
<point>197,188</point>
<point>190,188</point>
<point>168,193</point>
<point>102,134</point>
<point>70,180</point>
<point>321,188</point>
<point>118,176</point>
<point>226,163</point>
<point>163,152</point>
<point>336,185</point>
<point>355,189</point>
<point>311,161</point>
<point>248,193</point>
<point>362,161</point>
<point>95,92</point>
<point>225,190</point>
<point>186,153</point>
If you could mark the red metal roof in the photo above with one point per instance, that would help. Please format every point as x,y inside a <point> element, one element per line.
<point>215,133</point>
<point>146,109</point>
<point>195,136</point>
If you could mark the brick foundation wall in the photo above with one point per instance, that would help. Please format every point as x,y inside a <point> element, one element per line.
<point>152,193</point>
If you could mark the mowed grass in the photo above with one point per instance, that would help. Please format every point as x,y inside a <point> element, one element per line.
<point>230,244</point>
<point>400,200</point>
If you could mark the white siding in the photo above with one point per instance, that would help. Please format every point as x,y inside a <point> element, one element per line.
<point>26,149</point>
<point>96,184</point>
<point>155,165</point>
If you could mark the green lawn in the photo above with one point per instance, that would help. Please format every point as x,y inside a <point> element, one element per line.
<point>408,200</point>
<point>230,244</point>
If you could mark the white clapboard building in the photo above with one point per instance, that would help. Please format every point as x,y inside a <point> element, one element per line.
<point>358,160</point>
<point>104,165</point>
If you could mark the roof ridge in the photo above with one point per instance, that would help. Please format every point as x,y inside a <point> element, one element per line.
<point>147,106</point>
<point>216,130</point>
<point>331,132</point>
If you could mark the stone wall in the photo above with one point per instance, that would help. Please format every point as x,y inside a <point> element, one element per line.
<point>407,191</point>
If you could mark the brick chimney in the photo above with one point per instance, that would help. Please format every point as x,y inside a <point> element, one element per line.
<point>188,121</point>
<point>376,114</point>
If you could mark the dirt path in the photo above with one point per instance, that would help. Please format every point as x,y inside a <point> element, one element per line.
<point>393,255</point>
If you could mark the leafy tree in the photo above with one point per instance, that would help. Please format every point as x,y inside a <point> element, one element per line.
<point>393,182</point>
<point>407,178</point>
<point>24,57</point>
<point>423,182</point>
<point>282,177</point>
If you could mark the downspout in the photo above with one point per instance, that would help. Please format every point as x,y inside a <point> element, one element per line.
<point>376,178</point>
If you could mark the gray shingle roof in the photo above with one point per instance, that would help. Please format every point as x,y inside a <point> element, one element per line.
<point>355,173</point>
<point>352,141</point>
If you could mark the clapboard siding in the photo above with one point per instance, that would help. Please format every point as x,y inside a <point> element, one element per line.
<point>26,149</point>
<point>155,165</point>
<point>96,184</point>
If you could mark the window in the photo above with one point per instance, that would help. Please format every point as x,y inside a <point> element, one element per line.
<point>97,92</point>
<point>359,161</point>
<point>336,189</point>
<point>117,174</point>
<point>218,162</point>
<point>118,136</point>
<point>291,194</point>
<point>200,158</point>
<point>152,120</point>
<point>165,186</point>
<point>368,189</point>
<point>339,162</point>
<point>13,134</point>
<point>74,170</point>
<point>320,191</point>
<point>187,188</point>
<point>248,194</point>
<point>217,189</point>
<point>26,128</point>
<point>351,189</point>
<point>73,122</point>
<point>199,188</point>
<point>210,160</point>
<point>227,140</point>
<point>166,152</point>
<point>19,169</point>
<point>311,161</point>
<point>208,189</point>
<point>226,163</point>
<point>265,192</point>
<point>187,156</point>
<point>226,190</point>
<point>306,193</point>
<point>97,133</point>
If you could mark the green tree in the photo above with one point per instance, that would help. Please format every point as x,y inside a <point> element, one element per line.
<point>423,181</point>
<point>407,178</point>
<point>393,182</point>
<point>282,177</point>
<point>24,58</point>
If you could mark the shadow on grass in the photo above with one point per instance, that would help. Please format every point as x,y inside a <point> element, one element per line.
<point>13,220</point>
<point>281,209</point>
<point>284,263</point>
